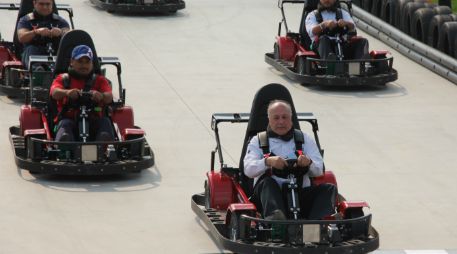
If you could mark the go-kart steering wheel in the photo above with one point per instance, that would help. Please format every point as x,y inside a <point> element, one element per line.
<point>290,169</point>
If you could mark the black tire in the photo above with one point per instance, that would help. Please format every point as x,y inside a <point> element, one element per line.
<point>376,7</point>
<point>11,78</point>
<point>421,21</point>
<point>276,51</point>
<point>435,26</point>
<point>356,229</point>
<point>357,2</point>
<point>448,37</point>
<point>300,65</point>
<point>207,196</point>
<point>408,13</point>
<point>399,6</point>
<point>234,228</point>
<point>388,11</point>
<point>367,4</point>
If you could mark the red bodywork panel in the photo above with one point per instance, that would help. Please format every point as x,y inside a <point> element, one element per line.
<point>34,132</point>
<point>221,189</point>
<point>29,118</point>
<point>345,205</point>
<point>123,117</point>
<point>378,54</point>
<point>14,63</point>
<point>287,48</point>
<point>328,177</point>
<point>130,133</point>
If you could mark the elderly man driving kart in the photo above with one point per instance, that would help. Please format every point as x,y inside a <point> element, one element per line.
<point>40,27</point>
<point>325,23</point>
<point>67,89</point>
<point>316,202</point>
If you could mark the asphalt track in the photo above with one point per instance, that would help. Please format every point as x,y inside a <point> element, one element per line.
<point>394,147</point>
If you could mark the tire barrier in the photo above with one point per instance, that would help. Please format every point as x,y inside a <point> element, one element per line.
<point>399,10</point>
<point>376,7</point>
<point>408,12</point>
<point>388,11</point>
<point>421,19</point>
<point>447,38</point>
<point>434,29</point>
<point>367,4</point>
<point>426,56</point>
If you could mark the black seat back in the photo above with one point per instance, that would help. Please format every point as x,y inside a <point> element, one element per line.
<point>25,8</point>
<point>258,121</point>
<point>69,41</point>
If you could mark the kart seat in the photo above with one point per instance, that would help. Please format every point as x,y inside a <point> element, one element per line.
<point>70,40</point>
<point>258,122</point>
<point>25,8</point>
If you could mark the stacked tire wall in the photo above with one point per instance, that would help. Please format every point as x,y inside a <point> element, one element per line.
<point>426,22</point>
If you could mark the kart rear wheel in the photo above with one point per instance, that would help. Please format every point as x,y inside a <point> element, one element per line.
<point>276,51</point>
<point>11,77</point>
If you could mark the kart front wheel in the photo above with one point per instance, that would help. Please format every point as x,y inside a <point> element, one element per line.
<point>207,196</point>
<point>300,65</point>
<point>276,51</point>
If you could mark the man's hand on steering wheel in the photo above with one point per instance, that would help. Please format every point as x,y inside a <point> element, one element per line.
<point>330,24</point>
<point>276,162</point>
<point>73,93</point>
<point>55,32</point>
<point>96,96</point>
<point>43,32</point>
<point>303,161</point>
<point>342,23</point>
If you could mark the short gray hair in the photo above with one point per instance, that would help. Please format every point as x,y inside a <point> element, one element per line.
<point>273,102</point>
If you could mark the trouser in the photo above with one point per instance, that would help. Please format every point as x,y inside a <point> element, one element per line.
<point>316,202</point>
<point>32,50</point>
<point>357,49</point>
<point>100,128</point>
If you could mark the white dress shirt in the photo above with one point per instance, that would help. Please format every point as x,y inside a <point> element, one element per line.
<point>311,20</point>
<point>254,162</point>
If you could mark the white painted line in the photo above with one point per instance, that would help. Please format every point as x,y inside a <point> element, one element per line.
<point>426,252</point>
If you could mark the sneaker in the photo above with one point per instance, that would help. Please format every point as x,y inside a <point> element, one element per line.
<point>104,136</point>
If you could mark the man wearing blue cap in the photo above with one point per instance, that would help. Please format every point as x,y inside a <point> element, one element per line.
<point>68,87</point>
<point>39,27</point>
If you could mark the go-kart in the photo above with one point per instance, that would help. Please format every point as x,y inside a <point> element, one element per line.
<point>33,139</point>
<point>14,76</point>
<point>236,224</point>
<point>140,6</point>
<point>293,56</point>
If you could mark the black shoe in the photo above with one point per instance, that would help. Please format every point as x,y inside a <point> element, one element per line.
<point>276,215</point>
<point>104,136</point>
<point>66,137</point>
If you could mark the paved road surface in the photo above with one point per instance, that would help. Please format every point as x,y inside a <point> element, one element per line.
<point>394,147</point>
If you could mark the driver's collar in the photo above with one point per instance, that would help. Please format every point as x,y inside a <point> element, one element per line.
<point>38,16</point>
<point>286,137</point>
<point>332,8</point>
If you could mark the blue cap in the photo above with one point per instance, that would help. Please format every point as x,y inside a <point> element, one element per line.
<point>81,51</point>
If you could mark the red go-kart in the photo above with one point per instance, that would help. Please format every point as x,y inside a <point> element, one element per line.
<point>33,139</point>
<point>293,57</point>
<point>236,224</point>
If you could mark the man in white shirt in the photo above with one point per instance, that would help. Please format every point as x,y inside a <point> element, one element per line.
<point>316,202</point>
<point>322,26</point>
